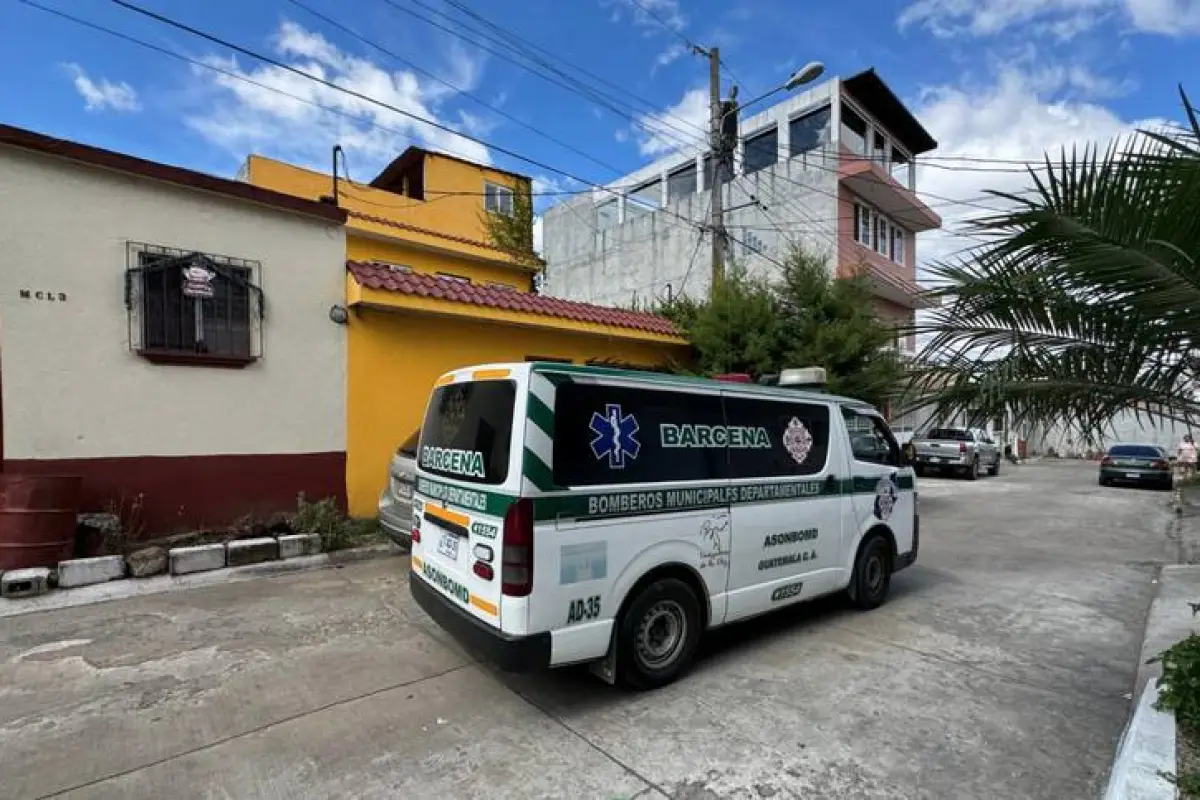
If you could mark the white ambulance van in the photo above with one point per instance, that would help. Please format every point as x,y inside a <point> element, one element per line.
<point>567,514</point>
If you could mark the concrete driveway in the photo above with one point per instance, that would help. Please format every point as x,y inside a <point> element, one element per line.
<point>1000,668</point>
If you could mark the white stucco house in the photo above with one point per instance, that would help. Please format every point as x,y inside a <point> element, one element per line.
<point>167,335</point>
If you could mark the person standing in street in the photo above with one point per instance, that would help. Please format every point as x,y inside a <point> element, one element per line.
<point>1187,456</point>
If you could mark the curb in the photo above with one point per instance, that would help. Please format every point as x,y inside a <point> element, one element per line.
<point>137,587</point>
<point>1147,745</point>
<point>1145,754</point>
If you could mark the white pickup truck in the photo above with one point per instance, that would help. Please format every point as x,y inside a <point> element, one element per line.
<point>965,451</point>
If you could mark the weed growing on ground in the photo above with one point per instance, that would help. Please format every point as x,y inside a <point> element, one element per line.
<point>337,531</point>
<point>1179,693</point>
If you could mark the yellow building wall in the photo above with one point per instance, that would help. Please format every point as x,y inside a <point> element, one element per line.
<point>395,357</point>
<point>360,248</point>
<point>452,215</point>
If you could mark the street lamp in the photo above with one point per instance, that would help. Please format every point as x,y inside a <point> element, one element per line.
<point>806,74</point>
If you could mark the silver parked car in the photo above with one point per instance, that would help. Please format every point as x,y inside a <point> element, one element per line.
<point>962,450</point>
<point>395,501</point>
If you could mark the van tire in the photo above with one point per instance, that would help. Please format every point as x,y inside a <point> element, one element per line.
<point>666,608</point>
<point>872,578</point>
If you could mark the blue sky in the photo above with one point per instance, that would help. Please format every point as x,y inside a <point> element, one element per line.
<point>991,79</point>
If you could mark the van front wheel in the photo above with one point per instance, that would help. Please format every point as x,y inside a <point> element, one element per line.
<point>658,634</point>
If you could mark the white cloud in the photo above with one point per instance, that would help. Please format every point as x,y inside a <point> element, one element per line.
<point>104,94</point>
<point>1019,117</point>
<point>680,126</point>
<point>1063,19</point>
<point>655,17</point>
<point>242,117</point>
<point>1168,17</point>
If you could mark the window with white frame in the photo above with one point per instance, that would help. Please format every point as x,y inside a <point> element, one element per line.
<point>862,224</point>
<point>876,231</point>
<point>897,244</point>
<point>497,199</point>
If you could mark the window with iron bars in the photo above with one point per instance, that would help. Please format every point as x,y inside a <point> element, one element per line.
<point>176,319</point>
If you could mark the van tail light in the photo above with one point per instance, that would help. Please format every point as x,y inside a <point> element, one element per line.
<point>1106,462</point>
<point>516,560</point>
<point>416,531</point>
<point>962,447</point>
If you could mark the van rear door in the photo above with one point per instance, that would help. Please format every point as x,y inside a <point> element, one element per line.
<point>462,460</point>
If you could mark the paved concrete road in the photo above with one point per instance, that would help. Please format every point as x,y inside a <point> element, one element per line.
<point>1000,668</point>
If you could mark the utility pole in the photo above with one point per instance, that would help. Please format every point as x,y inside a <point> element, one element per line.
<point>717,144</point>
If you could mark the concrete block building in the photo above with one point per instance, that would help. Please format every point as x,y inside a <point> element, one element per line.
<point>831,169</point>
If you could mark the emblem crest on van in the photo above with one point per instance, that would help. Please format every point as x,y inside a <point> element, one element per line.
<point>616,436</point>
<point>885,497</point>
<point>797,440</point>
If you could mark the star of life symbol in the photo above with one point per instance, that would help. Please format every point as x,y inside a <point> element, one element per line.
<point>797,440</point>
<point>616,436</point>
<point>885,498</point>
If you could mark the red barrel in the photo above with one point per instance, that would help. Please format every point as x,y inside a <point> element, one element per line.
<point>37,519</point>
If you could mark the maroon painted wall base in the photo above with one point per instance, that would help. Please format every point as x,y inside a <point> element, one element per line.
<point>181,493</point>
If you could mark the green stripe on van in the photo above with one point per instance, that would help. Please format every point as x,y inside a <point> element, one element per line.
<point>635,503</point>
<point>536,471</point>
<point>541,416</point>
<point>491,503</point>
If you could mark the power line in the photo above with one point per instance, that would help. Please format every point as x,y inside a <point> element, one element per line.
<point>669,28</point>
<point>366,98</point>
<point>275,62</point>
<point>267,87</point>
<point>416,67</point>
<point>602,99</point>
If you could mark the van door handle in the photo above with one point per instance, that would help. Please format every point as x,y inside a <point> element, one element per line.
<point>832,480</point>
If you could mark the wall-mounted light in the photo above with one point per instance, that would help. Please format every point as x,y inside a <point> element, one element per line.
<point>339,314</point>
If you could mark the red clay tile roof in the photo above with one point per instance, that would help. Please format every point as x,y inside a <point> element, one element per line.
<point>382,276</point>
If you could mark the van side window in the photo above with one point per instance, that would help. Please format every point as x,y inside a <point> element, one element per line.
<point>614,434</point>
<point>870,439</point>
<point>769,438</point>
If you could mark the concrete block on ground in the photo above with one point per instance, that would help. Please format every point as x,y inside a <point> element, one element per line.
<point>25,582</point>
<point>251,551</point>
<point>299,544</point>
<point>201,558</point>
<point>86,571</point>
<point>147,561</point>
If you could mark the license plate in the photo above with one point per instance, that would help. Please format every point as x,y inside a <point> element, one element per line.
<point>1132,475</point>
<point>448,546</point>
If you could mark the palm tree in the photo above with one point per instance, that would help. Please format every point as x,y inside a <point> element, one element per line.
<point>1084,301</point>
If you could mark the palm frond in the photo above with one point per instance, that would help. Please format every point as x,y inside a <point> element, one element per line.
<point>1084,301</point>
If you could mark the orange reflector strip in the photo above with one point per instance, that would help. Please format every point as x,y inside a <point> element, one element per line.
<point>417,563</point>
<point>442,381</point>
<point>483,605</point>
<point>490,374</point>
<point>447,515</point>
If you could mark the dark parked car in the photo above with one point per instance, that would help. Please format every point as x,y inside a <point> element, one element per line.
<point>1137,464</point>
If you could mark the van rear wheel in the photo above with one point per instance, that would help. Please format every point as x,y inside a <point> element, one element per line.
<point>872,578</point>
<point>658,634</point>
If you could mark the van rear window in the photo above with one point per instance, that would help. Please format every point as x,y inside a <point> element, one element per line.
<point>1135,451</point>
<point>467,431</point>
